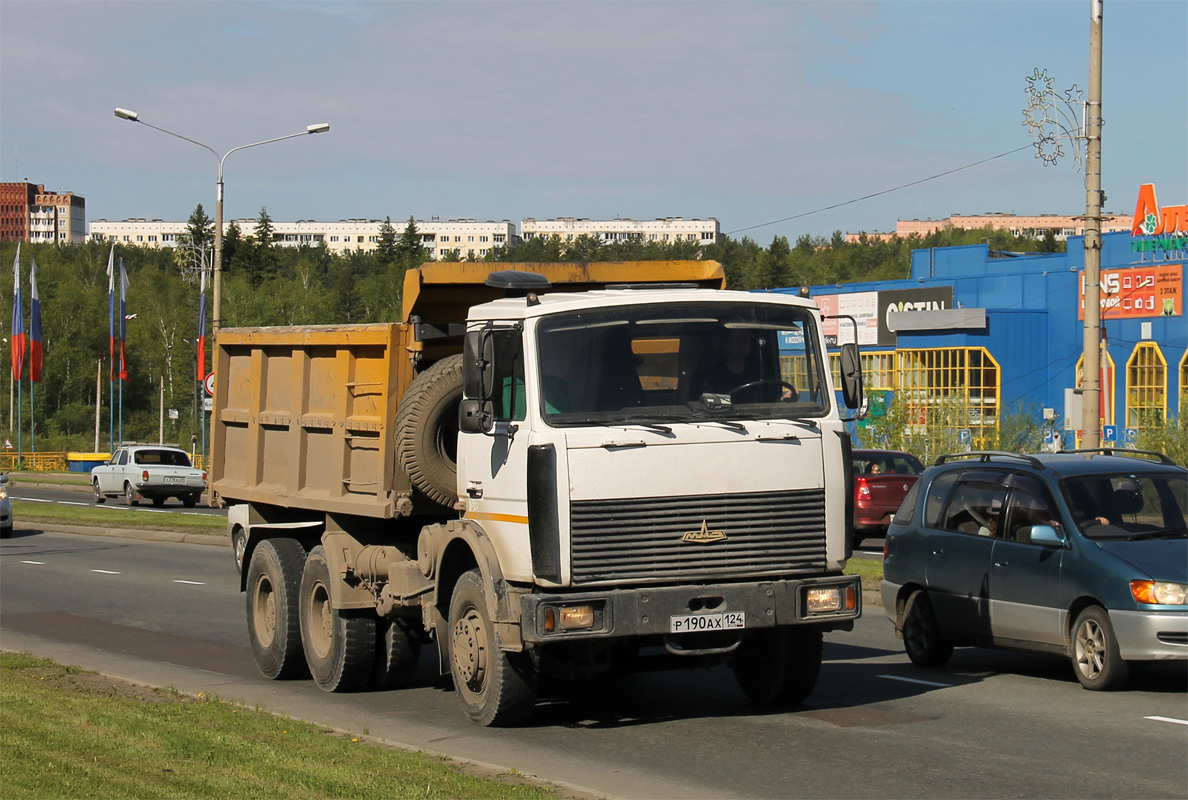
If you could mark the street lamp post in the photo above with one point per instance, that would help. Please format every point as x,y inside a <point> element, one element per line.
<point>217,267</point>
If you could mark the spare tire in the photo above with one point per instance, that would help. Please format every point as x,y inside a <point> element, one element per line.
<point>427,431</point>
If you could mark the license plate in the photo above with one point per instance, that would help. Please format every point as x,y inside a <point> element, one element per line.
<point>695,623</point>
<point>174,479</point>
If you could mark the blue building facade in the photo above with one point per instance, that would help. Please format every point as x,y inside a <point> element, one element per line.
<point>1002,331</point>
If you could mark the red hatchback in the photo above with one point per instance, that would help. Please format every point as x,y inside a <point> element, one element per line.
<point>882,479</point>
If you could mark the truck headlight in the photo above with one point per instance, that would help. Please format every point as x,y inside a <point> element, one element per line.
<point>569,618</point>
<point>1162,593</point>
<point>823,599</point>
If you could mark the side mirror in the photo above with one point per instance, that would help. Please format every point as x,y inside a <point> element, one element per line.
<point>476,412</point>
<point>1046,535</point>
<point>851,376</point>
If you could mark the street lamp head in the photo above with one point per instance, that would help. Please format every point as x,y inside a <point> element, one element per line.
<point>321,127</point>
<point>124,113</point>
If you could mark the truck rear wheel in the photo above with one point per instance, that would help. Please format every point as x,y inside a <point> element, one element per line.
<point>780,666</point>
<point>339,645</point>
<point>495,688</point>
<point>427,430</point>
<point>273,583</point>
<point>397,654</point>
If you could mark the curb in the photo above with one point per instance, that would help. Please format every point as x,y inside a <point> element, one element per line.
<point>144,534</point>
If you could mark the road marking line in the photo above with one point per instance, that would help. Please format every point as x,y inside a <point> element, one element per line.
<point>33,562</point>
<point>1168,719</point>
<point>105,572</point>
<point>72,503</point>
<point>191,583</point>
<point>914,680</point>
<point>32,500</point>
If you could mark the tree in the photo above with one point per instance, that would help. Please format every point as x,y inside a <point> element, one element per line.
<point>409,251</point>
<point>265,264</point>
<point>387,252</point>
<point>195,247</point>
<point>237,256</point>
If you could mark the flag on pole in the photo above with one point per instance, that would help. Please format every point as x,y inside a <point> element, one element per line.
<point>111,309</point>
<point>123,320</point>
<point>202,327</point>
<point>35,351</point>
<point>18,319</point>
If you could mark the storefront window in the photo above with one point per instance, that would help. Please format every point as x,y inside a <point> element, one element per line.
<point>1146,386</point>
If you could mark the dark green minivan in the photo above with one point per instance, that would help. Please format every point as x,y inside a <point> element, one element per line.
<point>1083,553</point>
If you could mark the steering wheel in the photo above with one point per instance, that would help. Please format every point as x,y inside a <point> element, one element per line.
<point>763,382</point>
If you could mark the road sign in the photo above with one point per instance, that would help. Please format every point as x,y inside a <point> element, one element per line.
<point>1109,433</point>
<point>7,444</point>
<point>1131,434</point>
<point>208,384</point>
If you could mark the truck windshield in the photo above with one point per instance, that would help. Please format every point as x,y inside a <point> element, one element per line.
<point>681,363</point>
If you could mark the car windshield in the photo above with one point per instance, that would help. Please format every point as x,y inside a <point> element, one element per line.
<point>651,364</point>
<point>1133,506</point>
<point>165,458</point>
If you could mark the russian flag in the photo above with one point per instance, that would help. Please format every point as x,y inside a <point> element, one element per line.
<point>111,309</point>
<point>18,319</point>
<point>123,321</point>
<point>202,328</point>
<point>35,352</point>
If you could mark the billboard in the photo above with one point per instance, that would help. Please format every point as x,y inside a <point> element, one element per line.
<point>1151,291</point>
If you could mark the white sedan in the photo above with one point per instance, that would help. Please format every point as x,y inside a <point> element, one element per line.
<point>152,472</point>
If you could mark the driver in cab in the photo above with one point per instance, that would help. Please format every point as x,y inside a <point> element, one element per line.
<point>738,373</point>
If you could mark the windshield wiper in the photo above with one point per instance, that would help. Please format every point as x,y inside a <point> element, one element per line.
<point>1179,533</point>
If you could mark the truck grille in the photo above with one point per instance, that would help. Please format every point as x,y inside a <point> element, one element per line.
<point>644,539</point>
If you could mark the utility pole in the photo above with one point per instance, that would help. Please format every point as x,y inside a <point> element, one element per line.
<point>1091,356</point>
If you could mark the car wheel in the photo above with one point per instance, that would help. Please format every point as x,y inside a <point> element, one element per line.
<point>856,541</point>
<point>779,667</point>
<point>100,497</point>
<point>923,641</point>
<point>189,500</point>
<point>6,532</point>
<point>1095,656</point>
<point>238,547</point>
<point>158,501</point>
<point>130,495</point>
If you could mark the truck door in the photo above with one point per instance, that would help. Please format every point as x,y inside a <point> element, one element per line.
<point>492,466</point>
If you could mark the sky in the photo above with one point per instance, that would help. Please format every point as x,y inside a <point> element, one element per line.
<point>769,116</point>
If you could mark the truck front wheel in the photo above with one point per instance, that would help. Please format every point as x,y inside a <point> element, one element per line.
<point>779,667</point>
<point>495,688</point>
<point>339,645</point>
<point>273,583</point>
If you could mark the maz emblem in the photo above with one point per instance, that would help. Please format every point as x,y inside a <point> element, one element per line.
<point>704,535</point>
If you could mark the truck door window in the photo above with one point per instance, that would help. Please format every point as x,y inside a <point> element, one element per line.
<point>508,397</point>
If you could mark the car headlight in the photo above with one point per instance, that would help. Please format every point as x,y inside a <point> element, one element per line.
<point>1162,593</point>
<point>3,493</point>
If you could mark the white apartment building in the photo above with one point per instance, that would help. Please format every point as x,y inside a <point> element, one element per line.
<point>665,230</point>
<point>469,238</point>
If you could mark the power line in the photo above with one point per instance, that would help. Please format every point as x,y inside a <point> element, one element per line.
<point>876,194</point>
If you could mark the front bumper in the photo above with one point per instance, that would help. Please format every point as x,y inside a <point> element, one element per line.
<point>621,613</point>
<point>1151,635</point>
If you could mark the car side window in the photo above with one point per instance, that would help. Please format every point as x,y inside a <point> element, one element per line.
<point>123,457</point>
<point>1030,504</point>
<point>907,509</point>
<point>975,507</point>
<point>938,492</point>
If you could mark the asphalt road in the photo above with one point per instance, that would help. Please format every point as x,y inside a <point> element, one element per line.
<point>81,495</point>
<point>990,724</point>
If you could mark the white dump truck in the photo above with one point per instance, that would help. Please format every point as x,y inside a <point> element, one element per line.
<point>551,469</point>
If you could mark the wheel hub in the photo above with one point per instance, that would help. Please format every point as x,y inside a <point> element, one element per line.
<point>468,648</point>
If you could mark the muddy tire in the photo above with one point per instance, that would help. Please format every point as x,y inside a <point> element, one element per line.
<point>427,431</point>
<point>494,687</point>
<point>779,667</point>
<point>339,645</point>
<point>397,654</point>
<point>273,584</point>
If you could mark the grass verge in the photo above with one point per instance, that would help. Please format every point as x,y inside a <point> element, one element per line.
<point>67,733</point>
<point>870,570</point>
<point>24,512</point>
